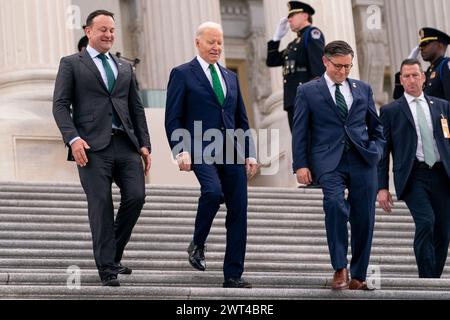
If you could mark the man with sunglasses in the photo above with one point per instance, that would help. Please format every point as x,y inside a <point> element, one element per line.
<point>433,44</point>
<point>337,116</point>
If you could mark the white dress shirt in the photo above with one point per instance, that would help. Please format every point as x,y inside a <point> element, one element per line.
<point>412,106</point>
<point>345,90</point>
<point>205,67</point>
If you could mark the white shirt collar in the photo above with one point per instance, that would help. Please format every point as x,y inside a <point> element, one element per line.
<point>331,83</point>
<point>94,53</point>
<point>410,98</point>
<point>204,64</point>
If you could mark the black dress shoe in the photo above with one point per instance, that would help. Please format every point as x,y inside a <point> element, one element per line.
<point>197,256</point>
<point>111,281</point>
<point>124,270</point>
<point>236,283</point>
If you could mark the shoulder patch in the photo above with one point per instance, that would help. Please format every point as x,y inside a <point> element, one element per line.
<point>315,34</point>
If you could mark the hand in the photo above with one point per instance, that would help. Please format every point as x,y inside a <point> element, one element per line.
<point>251,167</point>
<point>304,176</point>
<point>414,53</point>
<point>184,161</point>
<point>147,157</point>
<point>282,29</point>
<point>385,201</point>
<point>79,153</point>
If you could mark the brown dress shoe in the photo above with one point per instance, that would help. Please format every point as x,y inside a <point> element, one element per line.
<point>358,285</point>
<point>340,279</point>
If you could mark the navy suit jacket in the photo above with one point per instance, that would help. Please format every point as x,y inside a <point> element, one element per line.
<point>401,138</point>
<point>191,98</point>
<point>318,129</point>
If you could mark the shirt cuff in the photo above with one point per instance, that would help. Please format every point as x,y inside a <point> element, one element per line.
<point>73,140</point>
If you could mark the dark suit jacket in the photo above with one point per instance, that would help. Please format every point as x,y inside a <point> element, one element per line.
<point>191,98</point>
<point>401,138</point>
<point>316,118</point>
<point>80,84</point>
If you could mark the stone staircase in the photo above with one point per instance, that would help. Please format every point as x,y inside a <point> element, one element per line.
<point>44,230</point>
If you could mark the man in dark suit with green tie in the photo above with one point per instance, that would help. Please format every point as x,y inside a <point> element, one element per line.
<point>107,135</point>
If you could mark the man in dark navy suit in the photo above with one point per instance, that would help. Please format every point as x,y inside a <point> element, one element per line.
<point>335,118</point>
<point>204,98</point>
<point>416,131</point>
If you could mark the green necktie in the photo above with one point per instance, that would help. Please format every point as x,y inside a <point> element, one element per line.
<point>111,82</point>
<point>425,133</point>
<point>217,86</point>
<point>343,111</point>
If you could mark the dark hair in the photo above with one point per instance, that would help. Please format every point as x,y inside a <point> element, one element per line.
<point>83,43</point>
<point>410,62</point>
<point>96,13</point>
<point>310,20</point>
<point>338,48</point>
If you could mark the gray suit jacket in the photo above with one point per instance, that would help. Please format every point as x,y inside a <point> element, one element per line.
<point>80,84</point>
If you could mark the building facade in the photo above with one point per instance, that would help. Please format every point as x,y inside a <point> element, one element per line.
<point>35,34</point>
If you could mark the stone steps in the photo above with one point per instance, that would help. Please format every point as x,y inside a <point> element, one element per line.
<point>44,229</point>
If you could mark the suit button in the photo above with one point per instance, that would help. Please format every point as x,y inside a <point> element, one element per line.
<point>222,128</point>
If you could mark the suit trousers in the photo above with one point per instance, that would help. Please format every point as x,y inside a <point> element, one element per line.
<point>119,162</point>
<point>221,183</point>
<point>360,179</point>
<point>427,195</point>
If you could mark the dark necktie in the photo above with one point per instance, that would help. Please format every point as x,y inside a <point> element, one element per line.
<point>111,82</point>
<point>343,112</point>
<point>217,86</point>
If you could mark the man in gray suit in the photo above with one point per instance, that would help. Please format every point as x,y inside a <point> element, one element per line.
<point>107,135</point>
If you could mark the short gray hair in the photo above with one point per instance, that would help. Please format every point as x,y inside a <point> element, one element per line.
<point>208,25</point>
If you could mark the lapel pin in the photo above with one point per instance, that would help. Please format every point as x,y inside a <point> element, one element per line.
<point>431,102</point>
<point>354,85</point>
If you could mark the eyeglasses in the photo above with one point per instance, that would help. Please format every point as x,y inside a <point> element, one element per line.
<point>339,67</point>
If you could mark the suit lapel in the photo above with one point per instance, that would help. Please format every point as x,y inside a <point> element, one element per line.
<point>120,71</point>
<point>227,79</point>
<point>356,93</point>
<point>404,106</point>
<point>323,89</point>
<point>201,77</point>
<point>435,115</point>
<point>86,59</point>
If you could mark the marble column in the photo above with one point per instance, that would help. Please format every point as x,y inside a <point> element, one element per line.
<point>167,32</point>
<point>34,35</point>
<point>371,45</point>
<point>404,18</point>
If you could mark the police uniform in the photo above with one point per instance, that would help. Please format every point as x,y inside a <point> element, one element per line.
<point>301,60</point>
<point>437,82</point>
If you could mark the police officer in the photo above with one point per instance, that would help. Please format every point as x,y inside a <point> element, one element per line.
<point>302,59</point>
<point>433,45</point>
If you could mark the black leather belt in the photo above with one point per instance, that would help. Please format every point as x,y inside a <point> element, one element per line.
<point>115,132</point>
<point>422,165</point>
